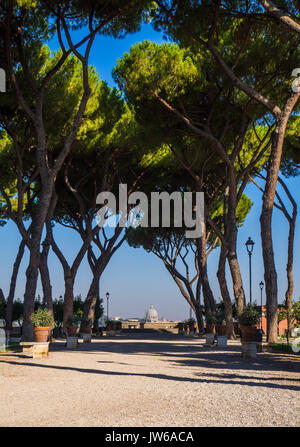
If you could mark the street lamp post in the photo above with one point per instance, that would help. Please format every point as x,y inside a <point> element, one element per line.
<point>261,285</point>
<point>107,298</point>
<point>249,245</point>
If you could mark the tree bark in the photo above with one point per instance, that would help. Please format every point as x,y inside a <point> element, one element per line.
<point>208,298</point>
<point>231,242</point>
<point>266,218</point>
<point>45,279</point>
<point>221,274</point>
<point>34,261</point>
<point>91,299</point>
<point>12,288</point>
<point>68,297</point>
<point>97,268</point>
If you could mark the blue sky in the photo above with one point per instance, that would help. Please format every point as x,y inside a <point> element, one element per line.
<point>134,278</point>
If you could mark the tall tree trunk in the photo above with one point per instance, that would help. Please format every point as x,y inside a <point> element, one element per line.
<point>187,293</point>
<point>208,296</point>
<point>45,279</point>
<point>290,260</point>
<point>266,217</point>
<point>12,288</point>
<point>38,222</point>
<point>90,302</point>
<point>69,276</point>
<point>68,297</point>
<point>221,274</point>
<point>234,266</point>
<point>199,317</point>
<point>91,299</point>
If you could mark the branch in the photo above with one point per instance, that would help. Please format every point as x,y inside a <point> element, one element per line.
<point>283,17</point>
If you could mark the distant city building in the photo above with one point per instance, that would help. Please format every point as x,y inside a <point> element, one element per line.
<point>152,314</point>
<point>150,322</point>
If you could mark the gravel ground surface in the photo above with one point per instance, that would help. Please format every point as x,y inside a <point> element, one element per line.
<point>149,380</point>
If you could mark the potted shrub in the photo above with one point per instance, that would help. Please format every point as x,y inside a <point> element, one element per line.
<point>119,326</point>
<point>72,325</point>
<point>185,327</point>
<point>221,323</point>
<point>191,325</point>
<point>43,322</point>
<point>110,327</point>
<point>248,319</point>
<point>180,328</point>
<point>86,326</point>
<point>86,329</point>
<point>221,327</point>
<point>210,328</point>
<point>211,321</point>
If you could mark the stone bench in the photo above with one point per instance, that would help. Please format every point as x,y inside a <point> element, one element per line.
<point>35,349</point>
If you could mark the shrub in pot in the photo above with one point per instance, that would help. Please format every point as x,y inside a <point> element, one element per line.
<point>248,319</point>
<point>110,327</point>
<point>191,325</point>
<point>211,321</point>
<point>72,325</point>
<point>43,322</point>
<point>86,326</point>
<point>180,328</point>
<point>221,323</point>
<point>115,325</point>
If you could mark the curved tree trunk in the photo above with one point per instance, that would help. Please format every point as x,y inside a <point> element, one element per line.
<point>208,298</point>
<point>34,263</point>
<point>234,266</point>
<point>45,279</point>
<point>290,260</point>
<point>12,288</point>
<point>221,274</point>
<point>91,299</point>
<point>266,217</point>
<point>68,297</point>
<point>199,317</point>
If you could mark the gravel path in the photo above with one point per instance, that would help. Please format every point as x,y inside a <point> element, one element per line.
<point>149,380</point>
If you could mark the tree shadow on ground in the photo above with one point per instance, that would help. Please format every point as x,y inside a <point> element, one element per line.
<point>160,376</point>
<point>194,354</point>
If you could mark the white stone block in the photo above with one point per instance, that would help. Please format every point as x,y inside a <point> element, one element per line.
<point>72,342</point>
<point>222,341</point>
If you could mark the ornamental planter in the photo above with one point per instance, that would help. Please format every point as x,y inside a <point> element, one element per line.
<point>72,331</point>
<point>87,338</point>
<point>180,328</point>
<point>41,334</point>
<point>221,329</point>
<point>210,339</point>
<point>86,330</point>
<point>191,331</point>
<point>249,349</point>
<point>248,333</point>
<point>210,329</point>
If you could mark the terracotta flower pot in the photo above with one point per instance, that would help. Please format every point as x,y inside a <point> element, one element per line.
<point>248,333</point>
<point>72,331</point>
<point>221,329</point>
<point>41,334</point>
<point>210,329</point>
<point>86,330</point>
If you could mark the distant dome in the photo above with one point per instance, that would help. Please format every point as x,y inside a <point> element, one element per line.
<point>152,314</point>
